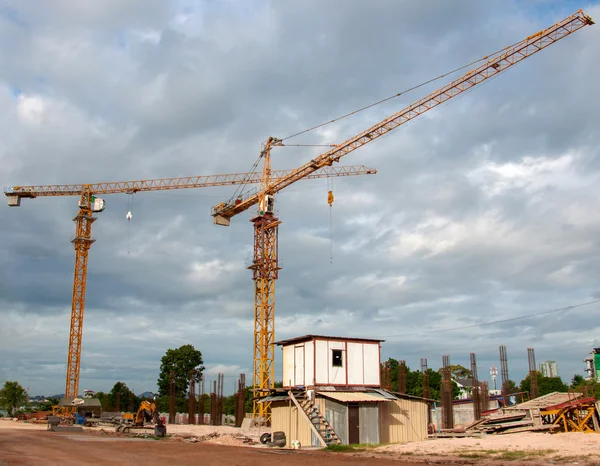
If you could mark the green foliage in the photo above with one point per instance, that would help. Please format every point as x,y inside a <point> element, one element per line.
<point>343,448</point>
<point>545,384</point>
<point>182,361</point>
<point>12,396</point>
<point>577,381</point>
<point>460,372</point>
<point>47,405</point>
<point>591,387</point>
<point>512,386</point>
<point>127,399</point>
<point>414,380</point>
<point>103,398</point>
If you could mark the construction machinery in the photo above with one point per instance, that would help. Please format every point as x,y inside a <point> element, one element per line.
<point>265,264</point>
<point>147,412</point>
<point>90,204</point>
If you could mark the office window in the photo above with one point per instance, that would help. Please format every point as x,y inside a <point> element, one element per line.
<point>336,358</point>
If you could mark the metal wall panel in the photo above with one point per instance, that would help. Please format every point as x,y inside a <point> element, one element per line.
<point>402,421</point>
<point>368,415</point>
<point>287,354</point>
<point>309,363</point>
<point>287,419</point>
<point>355,364</point>
<point>337,416</point>
<point>322,361</point>
<point>371,363</point>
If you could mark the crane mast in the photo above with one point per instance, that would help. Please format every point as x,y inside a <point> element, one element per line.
<point>265,266</point>
<point>89,205</point>
<point>82,241</point>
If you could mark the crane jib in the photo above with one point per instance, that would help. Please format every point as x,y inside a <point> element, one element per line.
<point>500,62</point>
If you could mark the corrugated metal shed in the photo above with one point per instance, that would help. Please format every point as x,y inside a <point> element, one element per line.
<point>403,421</point>
<point>369,423</point>
<point>353,397</point>
<point>286,418</point>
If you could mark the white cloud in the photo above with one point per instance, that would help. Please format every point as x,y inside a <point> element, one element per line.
<point>484,208</point>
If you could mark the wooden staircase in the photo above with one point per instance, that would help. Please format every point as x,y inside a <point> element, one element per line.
<point>318,423</point>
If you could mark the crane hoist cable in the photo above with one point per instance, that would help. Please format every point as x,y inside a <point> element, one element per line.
<point>129,216</point>
<point>330,202</point>
<point>487,57</point>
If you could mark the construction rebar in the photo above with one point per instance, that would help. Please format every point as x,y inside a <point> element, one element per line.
<point>484,397</point>
<point>386,376</point>
<point>201,403</point>
<point>402,377</point>
<point>448,414</point>
<point>172,406</point>
<point>192,398</point>
<point>534,391</point>
<point>425,379</point>
<point>220,398</point>
<point>240,401</point>
<point>504,374</point>
<point>475,395</point>
<point>213,405</point>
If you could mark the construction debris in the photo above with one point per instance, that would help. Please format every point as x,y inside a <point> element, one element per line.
<point>555,412</point>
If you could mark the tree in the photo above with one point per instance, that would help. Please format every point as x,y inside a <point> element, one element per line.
<point>577,381</point>
<point>125,395</point>
<point>545,384</point>
<point>460,372</point>
<point>181,361</point>
<point>12,396</point>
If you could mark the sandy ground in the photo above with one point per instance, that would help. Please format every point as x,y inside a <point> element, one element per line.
<point>568,448</point>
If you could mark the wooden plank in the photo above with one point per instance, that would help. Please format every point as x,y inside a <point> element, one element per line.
<point>528,429</point>
<point>476,423</point>
<point>508,425</point>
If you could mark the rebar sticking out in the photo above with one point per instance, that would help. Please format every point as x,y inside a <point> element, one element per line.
<point>448,414</point>
<point>504,374</point>
<point>402,377</point>
<point>534,391</point>
<point>484,397</point>
<point>426,392</point>
<point>172,407</point>
<point>475,395</point>
<point>192,398</point>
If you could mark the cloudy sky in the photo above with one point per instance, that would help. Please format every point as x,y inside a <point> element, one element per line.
<point>486,209</point>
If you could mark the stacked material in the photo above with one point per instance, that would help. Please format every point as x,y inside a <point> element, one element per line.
<point>555,412</point>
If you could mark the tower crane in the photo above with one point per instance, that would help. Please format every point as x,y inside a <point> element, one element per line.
<point>265,266</point>
<point>90,204</point>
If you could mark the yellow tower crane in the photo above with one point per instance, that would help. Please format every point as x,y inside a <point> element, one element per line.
<point>89,205</point>
<point>265,266</point>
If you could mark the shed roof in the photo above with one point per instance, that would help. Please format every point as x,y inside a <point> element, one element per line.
<point>544,401</point>
<point>353,397</point>
<point>87,403</point>
<point>413,397</point>
<point>325,337</point>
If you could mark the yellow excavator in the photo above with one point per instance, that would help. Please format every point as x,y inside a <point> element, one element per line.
<point>147,412</point>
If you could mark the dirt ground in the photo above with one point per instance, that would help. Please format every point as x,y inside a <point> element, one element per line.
<point>34,446</point>
<point>29,444</point>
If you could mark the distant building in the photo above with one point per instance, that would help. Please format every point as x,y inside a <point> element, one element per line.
<point>592,364</point>
<point>549,369</point>
<point>465,387</point>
